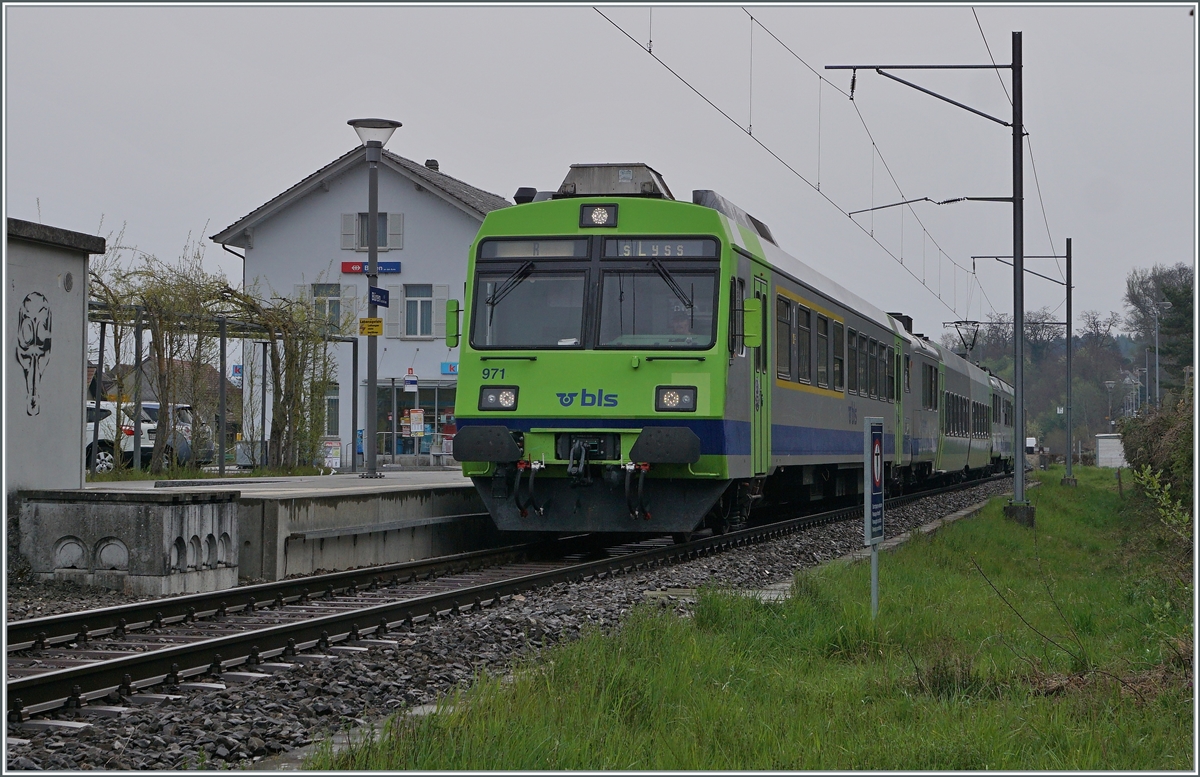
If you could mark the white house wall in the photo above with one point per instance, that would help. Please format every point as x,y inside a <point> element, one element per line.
<point>301,244</point>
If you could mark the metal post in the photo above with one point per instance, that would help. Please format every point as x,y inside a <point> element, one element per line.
<point>395,420</point>
<point>137,391</point>
<point>1018,509</point>
<point>263,460</point>
<point>374,153</point>
<point>1069,480</point>
<point>221,402</point>
<point>1157,374</point>
<point>99,393</point>
<point>354,407</point>
<point>874,580</point>
<point>1147,378</point>
<point>436,427</point>
<point>1018,269</point>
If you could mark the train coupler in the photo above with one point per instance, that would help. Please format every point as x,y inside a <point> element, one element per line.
<point>637,507</point>
<point>524,505</point>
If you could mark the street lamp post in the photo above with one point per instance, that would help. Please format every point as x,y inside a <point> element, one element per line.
<point>1157,386</point>
<point>1108,384</point>
<point>373,133</point>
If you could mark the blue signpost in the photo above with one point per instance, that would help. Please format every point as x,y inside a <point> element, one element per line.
<point>873,499</point>
<point>378,296</point>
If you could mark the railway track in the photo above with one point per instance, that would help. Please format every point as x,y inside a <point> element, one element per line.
<point>71,659</point>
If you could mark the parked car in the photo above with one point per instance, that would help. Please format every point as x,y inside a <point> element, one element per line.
<point>105,451</point>
<point>189,437</point>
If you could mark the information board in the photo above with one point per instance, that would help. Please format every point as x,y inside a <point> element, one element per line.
<point>873,477</point>
<point>370,327</point>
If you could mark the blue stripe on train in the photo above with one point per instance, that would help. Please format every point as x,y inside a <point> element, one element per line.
<point>718,437</point>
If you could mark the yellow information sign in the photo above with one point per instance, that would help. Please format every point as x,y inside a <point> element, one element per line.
<point>368,327</point>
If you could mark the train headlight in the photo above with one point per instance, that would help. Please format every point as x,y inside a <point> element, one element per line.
<point>675,399</point>
<point>498,398</point>
<point>597,216</point>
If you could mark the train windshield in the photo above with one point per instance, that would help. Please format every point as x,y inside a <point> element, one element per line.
<point>528,308</point>
<point>657,308</point>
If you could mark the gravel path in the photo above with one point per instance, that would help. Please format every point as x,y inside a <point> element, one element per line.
<point>217,729</point>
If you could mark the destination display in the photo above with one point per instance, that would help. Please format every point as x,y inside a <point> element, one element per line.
<point>533,249</point>
<point>659,248</point>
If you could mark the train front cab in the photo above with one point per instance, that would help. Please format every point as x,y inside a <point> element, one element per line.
<point>619,424</point>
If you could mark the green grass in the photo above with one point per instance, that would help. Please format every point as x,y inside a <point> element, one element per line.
<point>949,677</point>
<point>195,473</point>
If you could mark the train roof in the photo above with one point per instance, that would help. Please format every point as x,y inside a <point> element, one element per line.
<point>786,263</point>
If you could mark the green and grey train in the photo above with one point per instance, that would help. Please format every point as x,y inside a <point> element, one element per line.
<point>630,362</point>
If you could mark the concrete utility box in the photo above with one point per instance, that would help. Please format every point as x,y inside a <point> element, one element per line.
<point>139,543</point>
<point>45,388</point>
<point>1109,451</point>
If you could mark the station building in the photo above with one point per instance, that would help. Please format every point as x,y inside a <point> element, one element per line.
<point>310,242</point>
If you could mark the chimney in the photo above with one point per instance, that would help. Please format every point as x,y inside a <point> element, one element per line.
<point>432,164</point>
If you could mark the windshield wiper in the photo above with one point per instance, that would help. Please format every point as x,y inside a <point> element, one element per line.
<point>669,279</point>
<point>508,284</point>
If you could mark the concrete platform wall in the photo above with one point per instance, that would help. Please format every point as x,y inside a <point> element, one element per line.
<point>282,537</point>
<point>140,543</point>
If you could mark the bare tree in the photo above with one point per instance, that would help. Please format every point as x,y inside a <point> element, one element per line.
<point>1144,287</point>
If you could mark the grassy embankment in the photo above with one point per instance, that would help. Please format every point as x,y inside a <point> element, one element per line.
<point>123,474</point>
<point>953,675</point>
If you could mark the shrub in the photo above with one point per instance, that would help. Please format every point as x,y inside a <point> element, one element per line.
<point>1161,439</point>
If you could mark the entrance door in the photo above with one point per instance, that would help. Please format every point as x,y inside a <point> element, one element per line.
<point>760,426</point>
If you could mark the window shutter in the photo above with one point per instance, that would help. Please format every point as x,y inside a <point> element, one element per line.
<point>392,313</point>
<point>440,293</point>
<point>349,231</point>
<point>395,231</point>
<point>350,306</point>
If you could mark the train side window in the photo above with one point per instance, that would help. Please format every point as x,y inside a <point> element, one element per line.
<point>881,374</point>
<point>864,388</point>
<point>907,373</point>
<point>803,344</point>
<point>852,361</point>
<point>783,338</point>
<point>892,374</point>
<point>873,368</point>
<point>822,352</point>
<point>737,288</point>
<point>839,343</point>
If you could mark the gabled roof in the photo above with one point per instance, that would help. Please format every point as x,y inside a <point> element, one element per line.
<point>469,199</point>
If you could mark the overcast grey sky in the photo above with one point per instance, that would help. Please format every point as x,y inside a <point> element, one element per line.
<point>173,120</point>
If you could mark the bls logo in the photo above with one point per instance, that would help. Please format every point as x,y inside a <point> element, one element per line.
<point>588,399</point>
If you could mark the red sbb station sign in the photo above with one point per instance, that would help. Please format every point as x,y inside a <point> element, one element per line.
<point>361,267</point>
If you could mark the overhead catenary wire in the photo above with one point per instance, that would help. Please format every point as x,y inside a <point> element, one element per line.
<point>762,145</point>
<point>1028,143</point>
<point>870,136</point>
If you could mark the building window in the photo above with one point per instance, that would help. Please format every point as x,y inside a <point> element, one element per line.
<point>364,219</point>
<point>331,410</point>
<point>852,361</point>
<point>838,356</point>
<point>327,302</point>
<point>803,344</point>
<point>418,310</point>
<point>355,231</point>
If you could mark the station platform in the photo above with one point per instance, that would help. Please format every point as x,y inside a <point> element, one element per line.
<point>301,525</point>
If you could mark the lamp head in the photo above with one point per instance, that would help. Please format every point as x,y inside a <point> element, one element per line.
<point>1109,384</point>
<point>378,130</point>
